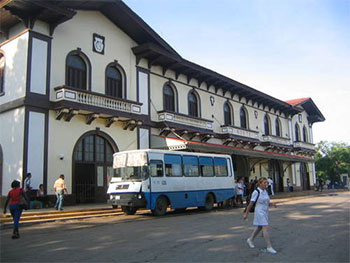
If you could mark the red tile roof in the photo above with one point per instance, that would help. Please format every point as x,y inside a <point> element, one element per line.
<point>296,101</point>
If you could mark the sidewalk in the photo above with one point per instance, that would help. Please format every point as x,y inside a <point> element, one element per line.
<point>80,211</point>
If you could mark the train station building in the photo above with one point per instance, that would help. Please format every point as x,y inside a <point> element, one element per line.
<point>81,80</point>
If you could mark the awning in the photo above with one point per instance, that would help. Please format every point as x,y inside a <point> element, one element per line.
<point>173,144</point>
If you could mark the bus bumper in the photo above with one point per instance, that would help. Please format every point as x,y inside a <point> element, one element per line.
<point>128,199</point>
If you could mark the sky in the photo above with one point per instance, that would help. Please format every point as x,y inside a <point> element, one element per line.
<point>287,49</point>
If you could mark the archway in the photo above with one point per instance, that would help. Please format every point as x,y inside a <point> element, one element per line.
<point>240,167</point>
<point>304,177</point>
<point>92,165</point>
<point>275,172</point>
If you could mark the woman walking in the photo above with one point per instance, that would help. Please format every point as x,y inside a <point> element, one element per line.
<point>15,208</point>
<point>261,215</point>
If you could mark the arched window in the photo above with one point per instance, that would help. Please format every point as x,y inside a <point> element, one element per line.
<point>2,72</point>
<point>297,133</point>
<point>227,114</point>
<point>266,125</point>
<point>243,116</point>
<point>114,82</point>
<point>305,137</point>
<point>278,127</point>
<point>76,72</point>
<point>169,97</point>
<point>193,104</point>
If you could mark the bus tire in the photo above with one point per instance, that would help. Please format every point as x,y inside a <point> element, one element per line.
<point>114,206</point>
<point>209,202</point>
<point>128,210</point>
<point>161,206</point>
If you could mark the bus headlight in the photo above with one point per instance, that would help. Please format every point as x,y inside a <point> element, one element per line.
<point>139,196</point>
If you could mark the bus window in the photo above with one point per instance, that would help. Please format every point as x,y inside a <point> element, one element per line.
<point>220,165</point>
<point>156,168</point>
<point>173,165</point>
<point>206,165</point>
<point>190,166</point>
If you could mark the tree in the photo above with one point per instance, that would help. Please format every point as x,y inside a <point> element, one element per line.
<point>332,159</point>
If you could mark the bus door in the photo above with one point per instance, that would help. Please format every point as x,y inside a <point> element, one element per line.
<point>156,180</point>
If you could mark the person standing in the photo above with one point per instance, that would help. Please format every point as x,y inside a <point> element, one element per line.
<point>261,215</point>
<point>239,193</point>
<point>270,181</point>
<point>27,186</point>
<point>14,198</point>
<point>59,188</point>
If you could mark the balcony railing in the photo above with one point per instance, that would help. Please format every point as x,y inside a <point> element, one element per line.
<point>95,99</point>
<point>276,139</point>
<point>240,132</point>
<point>185,120</point>
<point>304,145</point>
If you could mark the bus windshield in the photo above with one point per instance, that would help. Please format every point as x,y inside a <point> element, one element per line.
<point>132,172</point>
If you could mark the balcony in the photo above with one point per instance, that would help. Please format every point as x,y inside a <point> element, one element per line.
<point>240,132</point>
<point>178,118</point>
<point>276,140</point>
<point>87,98</point>
<point>304,146</point>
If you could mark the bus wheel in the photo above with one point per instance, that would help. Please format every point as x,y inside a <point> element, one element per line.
<point>161,206</point>
<point>114,206</point>
<point>128,210</point>
<point>209,202</point>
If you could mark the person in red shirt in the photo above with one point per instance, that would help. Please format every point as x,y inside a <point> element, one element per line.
<point>15,208</point>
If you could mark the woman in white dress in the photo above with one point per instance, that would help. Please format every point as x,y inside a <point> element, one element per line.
<point>261,214</point>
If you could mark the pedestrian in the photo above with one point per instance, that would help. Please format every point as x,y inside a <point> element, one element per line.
<point>59,188</point>
<point>261,214</point>
<point>320,185</point>
<point>288,185</point>
<point>27,186</point>
<point>239,193</point>
<point>270,181</point>
<point>41,197</point>
<point>14,198</point>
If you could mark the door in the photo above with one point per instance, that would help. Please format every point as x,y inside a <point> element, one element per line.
<point>85,183</point>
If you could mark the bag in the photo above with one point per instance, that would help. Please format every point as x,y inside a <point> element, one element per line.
<point>23,202</point>
<point>252,209</point>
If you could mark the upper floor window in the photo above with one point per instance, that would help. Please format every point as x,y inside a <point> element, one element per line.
<point>114,82</point>
<point>227,114</point>
<point>76,72</point>
<point>193,104</point>
<point>297,133</point>
<point>278,127</point>
<point>169,97</point>
<point>2,72</point>
<point>305,138</point>
<point>244,118</point>
<point>266,125</point>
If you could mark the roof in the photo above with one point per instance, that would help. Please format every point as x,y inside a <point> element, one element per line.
<point>295,102</point>
<point>314,114</point>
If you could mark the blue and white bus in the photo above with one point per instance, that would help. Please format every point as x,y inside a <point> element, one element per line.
<point>157,179</point>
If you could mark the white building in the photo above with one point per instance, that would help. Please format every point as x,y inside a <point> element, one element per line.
<point>80,80</point>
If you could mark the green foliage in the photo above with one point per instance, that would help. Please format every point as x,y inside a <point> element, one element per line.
<point>332,159</point>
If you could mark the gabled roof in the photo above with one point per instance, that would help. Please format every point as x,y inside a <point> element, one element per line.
<point>310,107</point>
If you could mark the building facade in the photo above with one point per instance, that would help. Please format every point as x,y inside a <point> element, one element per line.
<point>80,80</point>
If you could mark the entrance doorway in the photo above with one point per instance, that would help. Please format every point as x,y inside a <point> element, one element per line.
<point>275,172</point>
<point>92,166</point>
<point>304,176</point>
<point>240,167</point>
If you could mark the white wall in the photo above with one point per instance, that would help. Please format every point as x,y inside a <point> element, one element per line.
<point>36,144</point>
<point>16,53</point>
<point>11,140</point>
<point>39,66</point>
<point>78,32</point>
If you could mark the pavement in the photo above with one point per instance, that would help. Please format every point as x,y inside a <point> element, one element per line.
<point>100,209</point>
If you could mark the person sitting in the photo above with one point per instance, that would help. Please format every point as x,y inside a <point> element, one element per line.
<point>41,197</point>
